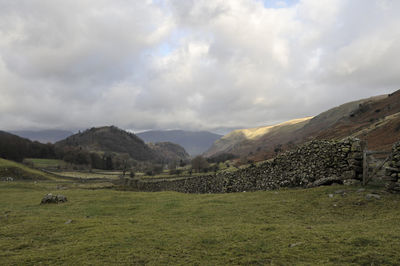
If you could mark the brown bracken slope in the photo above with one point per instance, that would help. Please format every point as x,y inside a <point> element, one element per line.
<point>376,120</point>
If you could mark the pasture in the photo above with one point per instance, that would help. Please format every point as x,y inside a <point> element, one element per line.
<point>104,226</point>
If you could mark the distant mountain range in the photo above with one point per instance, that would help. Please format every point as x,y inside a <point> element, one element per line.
<point>375,119</point>
<point>194,142</point>
<point>43,136</point>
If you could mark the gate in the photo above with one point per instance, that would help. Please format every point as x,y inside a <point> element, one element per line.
<point>373,162</point>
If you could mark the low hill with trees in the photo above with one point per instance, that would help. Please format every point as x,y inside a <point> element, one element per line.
<point>110,139</point>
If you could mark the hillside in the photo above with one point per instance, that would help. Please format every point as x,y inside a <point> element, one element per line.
<point>110,139</point>
<point>19,171</point>
<point>244,141</point>
<point>15,148</point>
<point>375,119</point>
<point>194,142</point>
<point>169,151</point>
<point>43,136</point>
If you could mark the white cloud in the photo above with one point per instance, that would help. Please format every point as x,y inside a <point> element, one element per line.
<point>190,64</point>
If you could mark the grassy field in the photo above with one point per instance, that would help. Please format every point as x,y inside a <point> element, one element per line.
<point>284,227</point>
<point>46,163</point>
<point>87,175</point>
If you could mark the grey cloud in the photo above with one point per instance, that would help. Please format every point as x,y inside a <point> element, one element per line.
<point>76,64</point>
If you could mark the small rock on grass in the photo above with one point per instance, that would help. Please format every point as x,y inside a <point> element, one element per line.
<point>68,221</point>
<point>340,191</point>
<point>295,244</point>
<point>370,196</point>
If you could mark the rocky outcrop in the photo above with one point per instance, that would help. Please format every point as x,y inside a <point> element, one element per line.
<point>393,171</point>
<point>312,164</point>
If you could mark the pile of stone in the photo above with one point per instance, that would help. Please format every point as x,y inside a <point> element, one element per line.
<point>50,198</point>
<point>393,171</point>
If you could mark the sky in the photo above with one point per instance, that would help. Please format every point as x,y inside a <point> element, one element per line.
<point>190,64</point>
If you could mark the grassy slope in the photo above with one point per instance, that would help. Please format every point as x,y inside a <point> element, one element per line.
<point>241,140</point>
<point>114,227</point>
<point>20,171</point>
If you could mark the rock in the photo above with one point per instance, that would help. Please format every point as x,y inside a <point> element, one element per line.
<point>349,175</point>
<point>340,191</point>
<point>346,150</point>
<point>356,155</point>
<point>356,146</point>
<point>370,196</point>
<point>324,181</point>
<point>350,182</point>
<point>360,190</point>
<point>330,195</point>
<point>50,198</point>
<point>295,244</point>
<point>68,221</point>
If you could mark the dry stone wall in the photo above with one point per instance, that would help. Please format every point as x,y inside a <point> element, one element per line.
<point>393,171</point>
<point>312,164</point>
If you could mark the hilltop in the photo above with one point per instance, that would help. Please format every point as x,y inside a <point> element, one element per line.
<point>194,142</point>
<point>375,119</point>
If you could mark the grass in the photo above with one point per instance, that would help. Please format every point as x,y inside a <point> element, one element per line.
<point>46,163</point>
<point>88,175</point>
<point>20,171</point>
<point>283,227</point>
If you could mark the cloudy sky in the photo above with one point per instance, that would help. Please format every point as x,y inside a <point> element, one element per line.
<point>190,64</point>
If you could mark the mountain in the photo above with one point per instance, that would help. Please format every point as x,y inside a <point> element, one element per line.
<point>375,119</point>
<point>43,136</point>
<point>194,142</point>
<point>170,151</point>
<point>113,139</point>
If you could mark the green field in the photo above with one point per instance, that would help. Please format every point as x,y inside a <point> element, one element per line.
<point>46,163</point>
<point>88,175</point>
<point>20,171</point>
<point>283,227</point>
